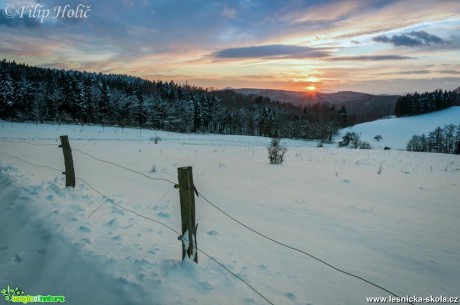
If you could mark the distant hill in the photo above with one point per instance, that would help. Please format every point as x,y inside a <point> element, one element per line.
<point>361,107</point>
<point>396,132</point>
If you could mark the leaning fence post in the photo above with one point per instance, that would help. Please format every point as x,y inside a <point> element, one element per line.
<point>68,162</point>
<point>187,208</point>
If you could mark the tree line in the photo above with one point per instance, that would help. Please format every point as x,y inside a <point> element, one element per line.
<point>441,140</point>
<point>59,96</point>
<point>415,104</point>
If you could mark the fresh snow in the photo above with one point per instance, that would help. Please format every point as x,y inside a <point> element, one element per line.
<point>398,228</point>
<point>396,132</point>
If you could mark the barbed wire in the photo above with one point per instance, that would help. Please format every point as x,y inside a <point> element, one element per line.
<point>179,235</point>
<point>124,208</point>
<point>29,143</point>
<point>95,158</point>
<point>298,250</point>
<point>235,275</point>
<point>150,219</point>
<point>226,214</point>
<point>122,167</point>
<point>36,165</point>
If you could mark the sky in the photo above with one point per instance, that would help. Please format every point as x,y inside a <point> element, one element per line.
<point>380,47</point>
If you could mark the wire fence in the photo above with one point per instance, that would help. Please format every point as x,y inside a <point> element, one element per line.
<point>180,237</point>
<point>122,167</point>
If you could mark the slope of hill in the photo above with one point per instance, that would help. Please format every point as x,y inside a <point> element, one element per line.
<point>396,132</point>
<point>329,202</point>
<point>361,107</point>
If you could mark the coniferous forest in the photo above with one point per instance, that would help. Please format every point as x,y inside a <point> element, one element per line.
<point>415,104</point>
<point>59,96</point>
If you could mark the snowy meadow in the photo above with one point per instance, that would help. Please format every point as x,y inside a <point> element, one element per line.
<point>390,217</point>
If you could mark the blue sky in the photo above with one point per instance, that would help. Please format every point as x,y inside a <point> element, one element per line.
<point>377,46</point>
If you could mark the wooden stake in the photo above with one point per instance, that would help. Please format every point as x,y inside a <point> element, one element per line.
<point>68,162</point>
<point>187,207</point>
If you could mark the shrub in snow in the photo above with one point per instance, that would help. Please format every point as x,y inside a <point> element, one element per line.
<point>364,145</point>
<point>378,138</point>
<point>350,140</point>
<point>276,151</point>
<point>155,139</point>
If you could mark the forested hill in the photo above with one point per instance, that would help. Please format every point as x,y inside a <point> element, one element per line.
<point>51,95</point>
<point>361,107</point>
<point>420,103</point>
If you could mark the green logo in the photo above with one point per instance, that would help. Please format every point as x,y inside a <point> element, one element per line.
<point>16,295</point>
<point>9,293</point>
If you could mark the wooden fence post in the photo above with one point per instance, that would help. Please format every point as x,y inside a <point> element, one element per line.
<point>68,161</point>
<point>187,208</point>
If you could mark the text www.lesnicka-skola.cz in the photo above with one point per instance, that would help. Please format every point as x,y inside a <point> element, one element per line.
<point>414,299</point>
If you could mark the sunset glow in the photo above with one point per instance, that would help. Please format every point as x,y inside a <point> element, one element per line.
<point>292,45</point>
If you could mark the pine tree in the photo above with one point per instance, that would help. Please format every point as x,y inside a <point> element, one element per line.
<point>6,96</point>
<point>342,116</point>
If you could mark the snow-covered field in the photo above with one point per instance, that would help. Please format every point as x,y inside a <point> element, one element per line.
<point>388,216</point>
<point>397,132</point>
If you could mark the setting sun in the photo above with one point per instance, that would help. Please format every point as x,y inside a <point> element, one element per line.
<point>311,88</point>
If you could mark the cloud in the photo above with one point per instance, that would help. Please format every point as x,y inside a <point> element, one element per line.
<point>412,39</point>
<point>128,3</point>
<point>449,72</point>
<point>278,51</point>
<point>322,12</point>
<point>399,40</point>
<point>9,20</point>
<point>370,58</point>
<point>399,85</point>
<point>228,12</point>
<point>424,71</point>
<point>194,39</point>
<point>427,38</point>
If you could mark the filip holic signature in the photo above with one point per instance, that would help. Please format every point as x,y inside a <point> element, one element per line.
<point>38,11</point>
